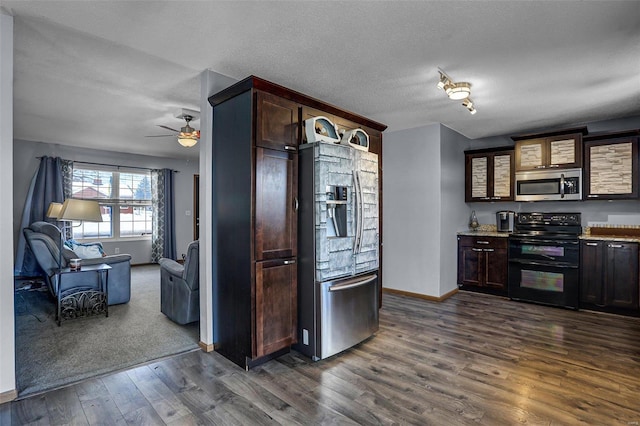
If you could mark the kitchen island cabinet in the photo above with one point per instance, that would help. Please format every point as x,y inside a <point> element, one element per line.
<point>609,279</point>
<point>552,150</point>
<point>489,175</point>
<point>611,166</point>
<point>483,264</point>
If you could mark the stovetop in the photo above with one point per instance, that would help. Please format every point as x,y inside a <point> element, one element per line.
<point>547,225</point>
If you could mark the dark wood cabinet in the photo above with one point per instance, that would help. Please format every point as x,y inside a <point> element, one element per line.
<point>483,264</point>
<point>609,277</point>
<point>276,122</point>
<point>276,204</point>
<point>611,166</point>
<point>489,175</point>
<point>254,225</point>
<point>552,150</point>
<point>276,305</point>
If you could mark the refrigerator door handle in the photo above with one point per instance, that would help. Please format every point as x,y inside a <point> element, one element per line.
<point>353,283</point>
<point>359,213</point>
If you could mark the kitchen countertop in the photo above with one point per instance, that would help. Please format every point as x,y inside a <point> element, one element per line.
<point>610,238</point>
<point>618,238</point>
<point>471,233</point>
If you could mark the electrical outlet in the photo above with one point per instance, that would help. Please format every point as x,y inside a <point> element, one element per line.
<point>187,212</point>
<point>305,336</point>
<point>116,250</point>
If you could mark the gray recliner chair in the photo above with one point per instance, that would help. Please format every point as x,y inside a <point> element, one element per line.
<point>180,287</point>
<point>44,240</point>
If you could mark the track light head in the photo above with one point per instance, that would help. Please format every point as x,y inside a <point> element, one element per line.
<point>468,103</point>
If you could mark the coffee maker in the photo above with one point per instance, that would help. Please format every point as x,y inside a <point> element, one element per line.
<point>504,221</point>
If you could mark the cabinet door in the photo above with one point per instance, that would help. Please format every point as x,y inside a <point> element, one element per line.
<point>621,275</point>
<point>496,268</point>
<point>477,177</point>
<point>502,179</point>
<point>276,217</point>
<point>564,151</point>
<point>591,279</point>
<point>611,169</point>
<point>277,122</point>
<point>276,306</point>
<point>531,154</point>
<point>469,259</point>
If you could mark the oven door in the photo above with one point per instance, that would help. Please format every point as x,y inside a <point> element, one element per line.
<point>544,271</point>
<point>540,249</point>
<point>544,282</point>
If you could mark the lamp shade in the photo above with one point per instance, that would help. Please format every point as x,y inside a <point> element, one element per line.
<point>54,210</point>
<point>187,140</point>
<point>75,209</point>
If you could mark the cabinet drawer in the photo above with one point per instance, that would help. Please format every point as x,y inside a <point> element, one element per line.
<point>483,242</point>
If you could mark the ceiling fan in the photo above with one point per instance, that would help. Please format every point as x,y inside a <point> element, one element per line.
<point>187,135</point>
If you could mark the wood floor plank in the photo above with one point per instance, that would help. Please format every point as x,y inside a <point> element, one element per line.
<point>102,410</point>
<point>146,416</point>
<point>64,407</point>
<point>162,399</point>
<point>124,392</point>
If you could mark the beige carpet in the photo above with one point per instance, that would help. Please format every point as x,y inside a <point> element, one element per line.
<point>48,356</point>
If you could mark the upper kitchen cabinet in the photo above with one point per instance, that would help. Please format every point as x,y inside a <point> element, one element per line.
<point>611,165</point>
<point>560,149</point>
<point>277,124</point>
<point>489,175</point>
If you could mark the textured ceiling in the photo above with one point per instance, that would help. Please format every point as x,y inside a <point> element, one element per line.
<point>105,74</point>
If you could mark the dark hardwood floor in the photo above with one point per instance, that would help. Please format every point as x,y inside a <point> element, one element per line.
<point>472,359</point>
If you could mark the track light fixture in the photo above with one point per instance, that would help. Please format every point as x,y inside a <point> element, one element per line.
<point>456,91</point>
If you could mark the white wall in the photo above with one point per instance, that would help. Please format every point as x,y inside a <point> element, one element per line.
<point>412,200</point>
<point>453,209</point>
<point>26,164</point>
<point>7,327</point>
<point>210,83</point>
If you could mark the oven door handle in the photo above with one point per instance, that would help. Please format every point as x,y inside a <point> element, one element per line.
<point>550,264</point>
<point>556,242</point>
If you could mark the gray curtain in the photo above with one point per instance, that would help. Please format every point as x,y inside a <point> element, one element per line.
<point>163,237</point>
<point>51,183</point>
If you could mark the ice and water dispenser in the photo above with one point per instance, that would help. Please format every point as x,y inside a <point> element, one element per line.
<point>336,211</point>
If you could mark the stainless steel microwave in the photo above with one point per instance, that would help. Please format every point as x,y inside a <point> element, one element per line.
<point>549,185</point>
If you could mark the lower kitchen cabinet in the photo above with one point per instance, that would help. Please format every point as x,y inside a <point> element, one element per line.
<point>483,264</point>
<point>276,306</point>
<point>609,277</point>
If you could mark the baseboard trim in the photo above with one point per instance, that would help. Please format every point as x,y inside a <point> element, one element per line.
<point>8,396</point>
<point>420,296</point>
<point>207,347</point>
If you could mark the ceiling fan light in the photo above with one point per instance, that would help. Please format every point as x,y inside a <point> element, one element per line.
<point>458,91</point>
<point>187,140</point>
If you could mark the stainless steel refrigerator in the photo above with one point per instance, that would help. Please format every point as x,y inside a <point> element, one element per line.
<point>337,248</point>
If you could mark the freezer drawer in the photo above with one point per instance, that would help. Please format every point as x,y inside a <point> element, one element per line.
<point>348,312</point>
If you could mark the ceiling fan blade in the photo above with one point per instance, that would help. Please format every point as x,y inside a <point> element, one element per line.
<point>168,128</point>
<point>159,136</point>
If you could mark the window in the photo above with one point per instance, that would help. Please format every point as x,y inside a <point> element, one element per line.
<point>125,201</point>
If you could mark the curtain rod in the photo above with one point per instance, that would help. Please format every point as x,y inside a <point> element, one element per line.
<point>115,165</point>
